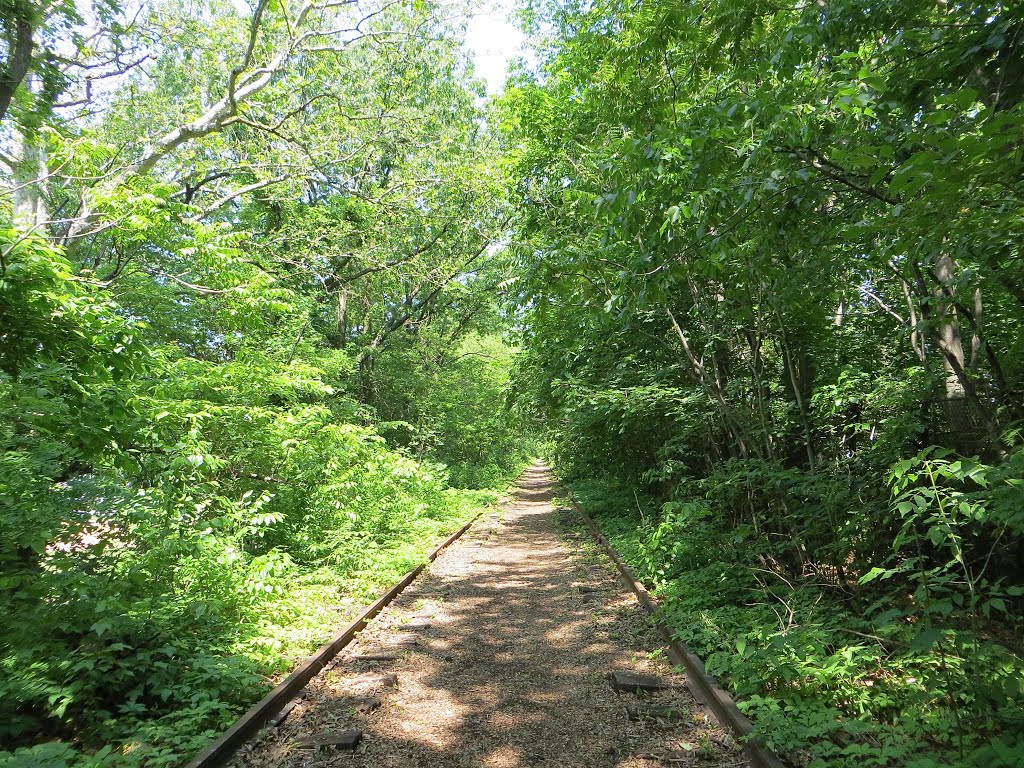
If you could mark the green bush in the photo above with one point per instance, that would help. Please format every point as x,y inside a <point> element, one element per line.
<point>175,530</point>
<point>826,685</point>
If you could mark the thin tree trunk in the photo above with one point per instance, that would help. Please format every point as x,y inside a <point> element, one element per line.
<point>710,387</point>
<point>949,329</point>
<point>916,339</point>
<point>29,175</point>
<point>795,381</point>
<point>342,318</point>
<point>19,57</point>
<point>959,388</point>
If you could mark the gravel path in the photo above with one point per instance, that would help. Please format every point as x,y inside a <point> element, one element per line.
<point>501,654</point>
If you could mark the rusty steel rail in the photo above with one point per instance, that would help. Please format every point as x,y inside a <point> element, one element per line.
<point>261,713</point>
<point>703,686</point>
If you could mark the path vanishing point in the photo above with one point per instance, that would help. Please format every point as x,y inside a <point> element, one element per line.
<point>502,655</point>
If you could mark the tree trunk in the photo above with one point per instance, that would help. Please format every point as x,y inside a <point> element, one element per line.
<point>29,174</point>
<point>960,393</point>
<point>949,329</point>
<point>19,54</point>
<point>342,318</point>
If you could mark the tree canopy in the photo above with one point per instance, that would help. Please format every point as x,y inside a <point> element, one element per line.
<point>770,265</point>
<point>251,348</point>
<point>284,295</point>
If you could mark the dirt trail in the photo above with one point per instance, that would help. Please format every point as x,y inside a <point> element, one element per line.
<point>502,652</point>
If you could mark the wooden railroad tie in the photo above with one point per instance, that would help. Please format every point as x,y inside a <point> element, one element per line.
<point>368,704</point>
<point>380,681</point>
<point>399,640</point>
<point>630,682</point>
<point>286,710</point>
<point>337,739</point>
<point>376,656</point>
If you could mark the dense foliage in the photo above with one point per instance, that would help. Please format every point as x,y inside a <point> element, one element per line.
<point>250,347</point>
<point>258,269</point>
<point>771,272</point>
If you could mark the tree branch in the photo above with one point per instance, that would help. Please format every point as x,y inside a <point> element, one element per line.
<point>213,207</point>
<point>19,59</point>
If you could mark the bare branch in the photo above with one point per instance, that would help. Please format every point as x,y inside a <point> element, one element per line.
<point>197,288</point>
<point>885,307</point>
<point>215,206</point>
<point>838,174</point>
<point>254,29</point>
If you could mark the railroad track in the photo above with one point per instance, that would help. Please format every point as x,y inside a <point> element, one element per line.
<point>517,647</point>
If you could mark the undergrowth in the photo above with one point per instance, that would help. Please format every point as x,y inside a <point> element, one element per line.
<point>831,675</point>
<point>176,531</point>
<point>151,683</point>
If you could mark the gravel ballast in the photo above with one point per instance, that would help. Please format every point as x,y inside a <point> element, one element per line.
<point>503,655</point>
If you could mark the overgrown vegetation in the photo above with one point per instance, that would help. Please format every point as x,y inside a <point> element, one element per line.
<point>261,274</point>
<point>250,351</point>
<point>770,259</point>
<point>827,681</point>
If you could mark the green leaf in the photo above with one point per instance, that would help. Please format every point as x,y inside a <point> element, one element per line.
<point>925,640</point>
<point>100,627</point>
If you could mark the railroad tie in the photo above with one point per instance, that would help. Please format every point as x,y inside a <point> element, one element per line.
<point>347,740</point>
<point>631,682</point>
<point>376,656</point>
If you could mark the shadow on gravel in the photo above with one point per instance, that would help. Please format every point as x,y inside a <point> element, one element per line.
<point>515,674</point>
